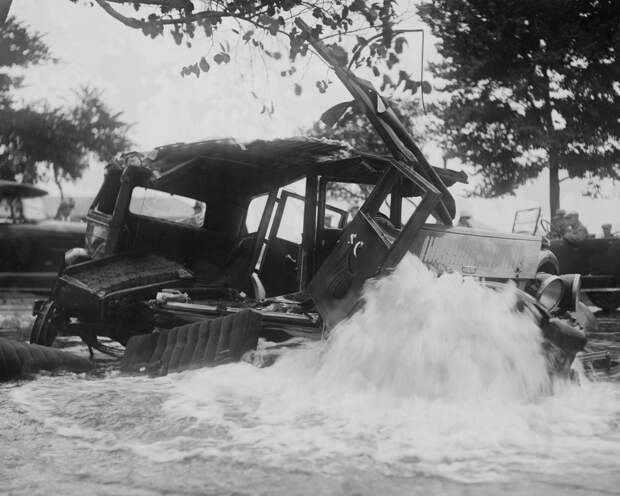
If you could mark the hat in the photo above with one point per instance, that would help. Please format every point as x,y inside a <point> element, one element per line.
<point>571,214</point>
<point>606,226</point>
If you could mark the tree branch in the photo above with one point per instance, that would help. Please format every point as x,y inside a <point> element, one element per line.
<point>173,4</point>
<point>132,22</point>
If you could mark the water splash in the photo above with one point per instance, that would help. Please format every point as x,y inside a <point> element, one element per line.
<point>435,376</point>
<point>436,337</point>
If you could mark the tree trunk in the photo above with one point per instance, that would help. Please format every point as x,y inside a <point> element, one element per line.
<point>58,181</point>
<point>552,149</point>
<point>554,181</point>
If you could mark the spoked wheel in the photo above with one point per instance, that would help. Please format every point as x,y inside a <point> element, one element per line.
<point>46,325</point>
<point>608,301</point>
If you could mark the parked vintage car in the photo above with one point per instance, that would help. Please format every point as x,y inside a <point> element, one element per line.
<point>32,248</point>
<point>596,260</point>
<point>301,274</point>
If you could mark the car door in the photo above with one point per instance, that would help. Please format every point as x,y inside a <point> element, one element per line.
<point>368,246</point>
<point>278,267</point>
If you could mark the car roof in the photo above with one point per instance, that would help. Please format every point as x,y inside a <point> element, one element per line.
<point>248,169</point>
<point>12,189</point>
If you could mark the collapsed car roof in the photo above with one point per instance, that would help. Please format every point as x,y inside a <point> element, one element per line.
<point>256,167</point>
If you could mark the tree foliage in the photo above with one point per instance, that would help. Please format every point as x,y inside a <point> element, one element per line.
<point>365,31</point>
<point>36,140</point>
<point>531,84</point>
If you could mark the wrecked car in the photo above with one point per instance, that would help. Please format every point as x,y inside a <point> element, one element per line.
<point>199,276</point>
<point>181,217</point>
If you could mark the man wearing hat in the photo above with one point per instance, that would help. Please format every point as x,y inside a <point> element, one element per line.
<point>576,230</point>
<point>607,231</point>
<point>558,224</point>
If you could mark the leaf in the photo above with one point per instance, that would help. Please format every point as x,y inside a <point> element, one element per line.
<point>204,65</point>
<point>297,89</point>
<point>426,87</point>
<point>387,83</point>
<point>392,60</point>
<point>322,86</point>
<point>398,44</point>
<point>221,58</point>
<point>274,27</point>
<point>190,69</point>
<point>247,35</point>
<point>411,86</point>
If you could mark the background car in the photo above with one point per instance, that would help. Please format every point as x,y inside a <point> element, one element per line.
<point>32,247</point>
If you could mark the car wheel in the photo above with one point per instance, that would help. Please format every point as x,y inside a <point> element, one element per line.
<point>45,327</point>
<point>607,301</point>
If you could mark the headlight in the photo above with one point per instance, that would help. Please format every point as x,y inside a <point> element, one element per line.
<point>549,290</point>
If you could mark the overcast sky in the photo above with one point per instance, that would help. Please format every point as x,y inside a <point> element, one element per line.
<point>141,77</point>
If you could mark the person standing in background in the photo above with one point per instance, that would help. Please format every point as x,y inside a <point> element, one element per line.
<point>64,209</point>
<point>607,231</point>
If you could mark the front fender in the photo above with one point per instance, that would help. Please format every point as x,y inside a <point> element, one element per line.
<point>548,262</point>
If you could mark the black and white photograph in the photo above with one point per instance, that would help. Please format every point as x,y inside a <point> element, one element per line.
<point>309,247</point>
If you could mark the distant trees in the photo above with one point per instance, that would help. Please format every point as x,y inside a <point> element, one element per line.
<point>39,140</point>
<point>532,84</point>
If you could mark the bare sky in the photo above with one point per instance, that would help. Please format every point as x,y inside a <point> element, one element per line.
<point>141,78</point>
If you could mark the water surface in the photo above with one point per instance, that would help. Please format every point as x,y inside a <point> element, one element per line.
<point>447,396</point>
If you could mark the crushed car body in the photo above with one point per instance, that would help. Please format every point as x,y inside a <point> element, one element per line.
<point>174,271</point>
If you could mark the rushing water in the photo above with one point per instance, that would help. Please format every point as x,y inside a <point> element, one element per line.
<point>434,386</point>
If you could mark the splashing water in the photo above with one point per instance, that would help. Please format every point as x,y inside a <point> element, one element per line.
<point>437,337</point>
<point>435,377</point>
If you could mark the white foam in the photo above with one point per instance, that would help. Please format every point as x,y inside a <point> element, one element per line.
<point>434,376</point>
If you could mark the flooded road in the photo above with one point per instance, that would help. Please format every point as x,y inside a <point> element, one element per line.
<point>456,402</point>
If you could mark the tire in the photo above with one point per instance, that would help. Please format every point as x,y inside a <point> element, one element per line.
<point>607,301</point>
<point>45,327</point>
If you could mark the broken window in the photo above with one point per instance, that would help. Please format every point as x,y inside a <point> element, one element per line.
<point>161,205</point>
